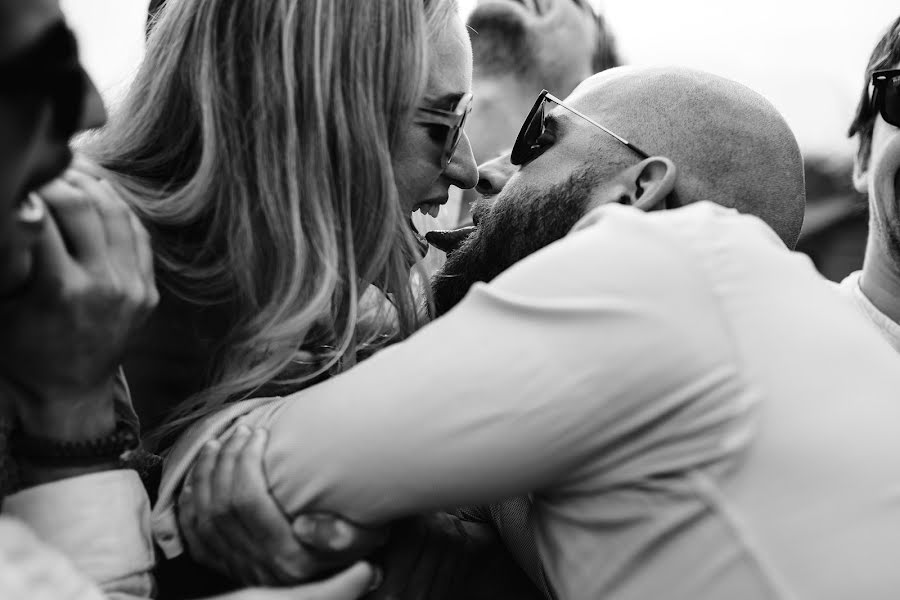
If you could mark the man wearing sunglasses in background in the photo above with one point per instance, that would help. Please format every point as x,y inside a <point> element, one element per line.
<point>642,373</point>
<point>876,288</point>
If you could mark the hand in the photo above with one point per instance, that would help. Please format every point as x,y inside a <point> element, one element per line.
<point>348,585</point>
<point>92,284</point>
<point>232,524</point>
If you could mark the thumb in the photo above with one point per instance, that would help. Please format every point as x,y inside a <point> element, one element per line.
<point>349,584</point>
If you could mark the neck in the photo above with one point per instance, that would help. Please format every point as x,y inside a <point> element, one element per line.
<point>880,280</point>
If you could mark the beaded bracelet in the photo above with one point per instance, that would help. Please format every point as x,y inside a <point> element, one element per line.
<point>114,446</point>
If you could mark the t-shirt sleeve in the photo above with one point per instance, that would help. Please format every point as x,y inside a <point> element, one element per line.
<point>566,362</point>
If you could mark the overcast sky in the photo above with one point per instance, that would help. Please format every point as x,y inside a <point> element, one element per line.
<point>806,56</point>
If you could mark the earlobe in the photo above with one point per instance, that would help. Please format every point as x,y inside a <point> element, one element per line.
<point>654,181</point>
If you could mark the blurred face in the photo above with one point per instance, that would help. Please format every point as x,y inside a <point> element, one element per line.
<point>45,97</point>
<point>421,180</point>
<point>881,180</point>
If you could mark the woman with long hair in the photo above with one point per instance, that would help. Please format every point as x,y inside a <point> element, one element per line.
<point>275,151</point>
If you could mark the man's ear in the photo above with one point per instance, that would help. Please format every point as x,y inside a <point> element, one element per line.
<point>653,180</point>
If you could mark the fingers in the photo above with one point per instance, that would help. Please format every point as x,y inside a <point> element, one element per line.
<point>350,584</point>
<point>273,554</point>
<point>128,252</point>
<point>77,219</point>
<point>52,261</point>
<point>242,557</point>
<point>114,215</point>
<point>215,537</point>
<point>194,516</point>
<point>336,538</point>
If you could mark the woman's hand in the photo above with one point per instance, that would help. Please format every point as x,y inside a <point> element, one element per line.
<point>347,585</point>
<point>232,524</point>
<point>65,332</point>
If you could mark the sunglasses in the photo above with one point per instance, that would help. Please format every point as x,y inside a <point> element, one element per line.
<point>454,120</point>
<point>528,144</point>
<point>886,95</point>
<point>49,69</point>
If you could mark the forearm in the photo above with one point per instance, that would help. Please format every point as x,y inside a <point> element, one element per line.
<point>387,439</point>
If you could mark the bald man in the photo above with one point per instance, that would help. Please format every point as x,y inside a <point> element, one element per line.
<point>653,386</point>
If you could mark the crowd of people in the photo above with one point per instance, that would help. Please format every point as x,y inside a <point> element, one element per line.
<point>218,376</point>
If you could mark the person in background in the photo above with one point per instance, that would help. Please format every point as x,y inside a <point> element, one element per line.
<point>876,288</point>
<point>520,49</point>
<point>76,279</point>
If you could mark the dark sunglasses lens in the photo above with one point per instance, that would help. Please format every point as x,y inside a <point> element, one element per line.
<point>890,101</point>
<point>523,150</point>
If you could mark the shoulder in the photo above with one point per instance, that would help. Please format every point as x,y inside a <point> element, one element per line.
<point>620,249</point>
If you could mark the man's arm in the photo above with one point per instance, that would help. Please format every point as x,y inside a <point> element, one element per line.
<point>561,364</point>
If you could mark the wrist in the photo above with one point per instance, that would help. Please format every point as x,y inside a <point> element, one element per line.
<point>70,414</point>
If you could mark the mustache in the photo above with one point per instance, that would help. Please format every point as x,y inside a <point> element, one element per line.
<point>514,226</point>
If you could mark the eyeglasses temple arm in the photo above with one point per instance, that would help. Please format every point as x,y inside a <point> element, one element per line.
<point>599,126</point>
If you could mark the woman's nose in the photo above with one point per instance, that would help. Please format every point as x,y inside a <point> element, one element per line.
<point>462,170</point>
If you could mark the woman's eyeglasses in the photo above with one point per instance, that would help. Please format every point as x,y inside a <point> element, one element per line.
<point>886,95</point>
<point>454,120</point>
<point>528,144</point>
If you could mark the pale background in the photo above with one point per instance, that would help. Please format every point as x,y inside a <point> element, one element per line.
<point>806,56</point>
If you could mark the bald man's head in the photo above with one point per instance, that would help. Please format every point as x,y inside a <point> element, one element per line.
<point>729,144</point>
<point>708,138</point>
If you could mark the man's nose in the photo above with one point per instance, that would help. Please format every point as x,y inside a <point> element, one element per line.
<point>493,175</point>
<point>462,171</point>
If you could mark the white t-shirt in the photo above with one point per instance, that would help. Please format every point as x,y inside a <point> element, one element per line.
<point>890,330</point>
<point>698,414</point>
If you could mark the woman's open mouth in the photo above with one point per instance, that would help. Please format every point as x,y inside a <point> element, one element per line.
<point>420,239</point>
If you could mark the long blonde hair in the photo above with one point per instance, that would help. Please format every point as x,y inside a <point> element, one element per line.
<point>255,143</point>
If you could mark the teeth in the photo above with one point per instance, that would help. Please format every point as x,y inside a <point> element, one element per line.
<point>430,208</point>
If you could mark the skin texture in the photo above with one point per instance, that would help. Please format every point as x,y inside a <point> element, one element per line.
<point>417,157</point>
<point>879,177</point>
<point>581,167</point>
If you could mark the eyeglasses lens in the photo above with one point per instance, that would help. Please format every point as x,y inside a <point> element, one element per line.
<point>523,150</point>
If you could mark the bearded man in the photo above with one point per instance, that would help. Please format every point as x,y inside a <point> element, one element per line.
<point>645,381</point>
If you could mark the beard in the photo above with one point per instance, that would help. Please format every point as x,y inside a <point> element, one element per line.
<point>508,231</point>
